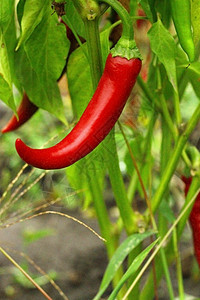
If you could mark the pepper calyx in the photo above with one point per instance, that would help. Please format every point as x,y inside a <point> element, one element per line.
<point>127,49</point>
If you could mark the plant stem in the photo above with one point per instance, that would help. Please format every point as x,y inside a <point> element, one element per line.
<point>162,222</point>
<point>128,33</point>
<point>164,108</point>
<point>130,219</point>
<point>178,266</point>
<point>145,152</point>
<point>175,159</point>
<point>177,108</point>
<point>95,61</point>
<point>94,50</point>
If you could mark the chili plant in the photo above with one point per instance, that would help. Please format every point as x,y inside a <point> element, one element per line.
<point>134,129</point>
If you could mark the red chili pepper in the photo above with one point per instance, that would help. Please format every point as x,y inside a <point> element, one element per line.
<point>25,111</point>
<point>194,219</point>
<point>98,119</point>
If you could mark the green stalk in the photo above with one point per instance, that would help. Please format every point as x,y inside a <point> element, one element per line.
<point>177,109</point>
<point>94,50</point>
<point>102,214</point>
<point>162,222</point>
<point>178,266</point>
<point>147,147</point>
<point>126,46</point>
<point>128,33</point>
<point>164,108</point>
<point>95,61</point>
<point>150,97</point>
<point>166,272</point>
<point>126,212</point>
<point>172,164</point>
<point>129,218</point>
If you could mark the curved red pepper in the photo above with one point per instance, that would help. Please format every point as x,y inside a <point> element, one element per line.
<point>25,111</point>
<point>194,219</point>
<point>98,119</point>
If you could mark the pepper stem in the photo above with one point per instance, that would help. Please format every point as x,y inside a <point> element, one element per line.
<point>126,46</point>
<point>128,33</point>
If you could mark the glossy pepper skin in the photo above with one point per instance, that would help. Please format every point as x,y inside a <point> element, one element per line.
<point>194,219</point>
<point>98,119</point>
<point>25,111</point>
<point>181,14</point>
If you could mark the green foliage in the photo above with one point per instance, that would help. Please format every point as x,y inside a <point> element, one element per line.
<point>163,45</point>
<point>117,259</point>
<point>34,50</point>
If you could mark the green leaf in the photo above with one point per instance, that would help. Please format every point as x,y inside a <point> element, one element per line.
<point>44,63</point>
<point>166,211</point>
<point>6,94</point>
<point>74,18</point>
<point>194,77</point>
<point>20,10</point>
<point>120,254</point>
<point>147,9</point>
<point>6,13</point>
<point>49,60</point>
<point>195,12</point>
<point>164,10</point>
<point>163,45</point>
<point>194,68</point>
<point>10,41</point>
<point>42,91</point>
<point>32,16</point>
<point>132,269</point>
<point>4,59</point>
<point>5,72</point>
<point>79,80</point>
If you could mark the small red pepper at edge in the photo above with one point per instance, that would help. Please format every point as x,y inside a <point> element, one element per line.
<point>25,111</point>
<point>194,219</point>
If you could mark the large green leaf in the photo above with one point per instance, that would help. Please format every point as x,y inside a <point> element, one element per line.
<point>163,45</point>
<point>33,13</point>
<point>47,48</point>
<point>120,254</point>
<point>73,19</point>
<point>43,57</point>
<point>43,92</point>
<point>6,13</point>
